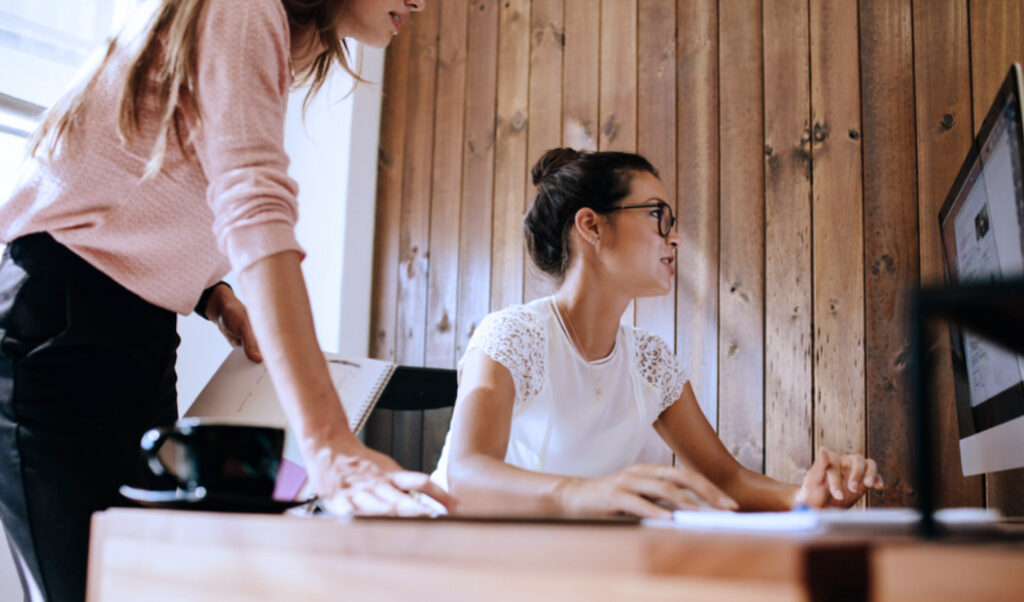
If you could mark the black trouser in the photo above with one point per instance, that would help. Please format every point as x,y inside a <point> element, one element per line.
<point>85,368</point>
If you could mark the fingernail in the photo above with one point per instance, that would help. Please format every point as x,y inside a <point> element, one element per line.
<point>837,494</point>
<point>852,486</point>
<point>728,502</point>
<point>869,481</point>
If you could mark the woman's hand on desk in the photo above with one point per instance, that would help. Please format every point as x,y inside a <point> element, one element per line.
<point>363,481</point>
<point>836,480</point>
<point>640,489</point>
<point>230,315</point>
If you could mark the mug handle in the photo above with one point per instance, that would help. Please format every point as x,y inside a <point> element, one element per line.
<point>151,443</point>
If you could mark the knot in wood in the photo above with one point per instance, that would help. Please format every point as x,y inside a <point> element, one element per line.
<point>518,121</point>
<point>820,133</point>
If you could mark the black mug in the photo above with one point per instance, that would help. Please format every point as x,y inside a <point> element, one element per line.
<point>224,459</point>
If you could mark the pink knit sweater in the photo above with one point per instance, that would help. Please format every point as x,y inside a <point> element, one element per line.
<point>157,237</point>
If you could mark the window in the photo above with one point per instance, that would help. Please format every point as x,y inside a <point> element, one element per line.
<point>43,45</point>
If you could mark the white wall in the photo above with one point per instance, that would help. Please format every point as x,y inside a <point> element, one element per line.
<point>336,214</point>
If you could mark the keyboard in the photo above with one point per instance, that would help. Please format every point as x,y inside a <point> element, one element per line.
<point>877,520</point>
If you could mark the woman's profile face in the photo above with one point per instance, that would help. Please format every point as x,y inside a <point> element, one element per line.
<point>636,254</point>
<point>375,22</point>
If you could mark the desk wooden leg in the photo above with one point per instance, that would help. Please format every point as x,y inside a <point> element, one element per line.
<point>838,575</point>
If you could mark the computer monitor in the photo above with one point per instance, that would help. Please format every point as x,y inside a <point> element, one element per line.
<point>982,228</point>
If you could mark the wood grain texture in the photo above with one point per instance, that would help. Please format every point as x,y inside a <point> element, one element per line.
<point>544,126</point>
<point>142,555</point>
<point>837,228</point>
<point>445,211</point>
<point>510,184</point>
<point>997,39</point>
<point>617,111</point>
<point>386,225</point>
<point>414,232</point>
<point>656,115</point>
<point>890,237</point>
<point>618,89</point>
<point>389,199</point>
<point>697,154</point>
<point>941,573</point>
<point>741,285</point>
<point>477,171</point>
<point>942,84</point>
<point>787,156</point>
<point>802,229</point>
<point>580,74</point>
<point>446,191</point>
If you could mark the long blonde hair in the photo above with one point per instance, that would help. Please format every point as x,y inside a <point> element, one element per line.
<point>166,63</point>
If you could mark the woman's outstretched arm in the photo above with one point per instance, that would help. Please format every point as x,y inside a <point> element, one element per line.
<point>349,475</point>
<point>483,482</point>
<point>833,479</point>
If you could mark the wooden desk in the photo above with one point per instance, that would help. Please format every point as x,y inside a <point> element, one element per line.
<point>155,555</point>
<point>947,572</point>
<point>161,555</point>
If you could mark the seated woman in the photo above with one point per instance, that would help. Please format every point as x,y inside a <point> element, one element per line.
<point>559,401</point>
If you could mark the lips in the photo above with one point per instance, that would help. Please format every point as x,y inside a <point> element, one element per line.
<point>397,20</point>
<point>669,261</point>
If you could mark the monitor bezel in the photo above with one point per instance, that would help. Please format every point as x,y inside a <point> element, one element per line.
<point>1012,86</point>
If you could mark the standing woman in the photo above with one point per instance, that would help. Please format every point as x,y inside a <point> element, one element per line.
<point>164,169</point>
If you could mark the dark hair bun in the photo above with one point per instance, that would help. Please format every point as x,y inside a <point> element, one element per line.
<point>552,161</point>
<point>568,180</point>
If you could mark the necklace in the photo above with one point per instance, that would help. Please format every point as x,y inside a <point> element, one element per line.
<point>598,373</point>
<point>574,338</point>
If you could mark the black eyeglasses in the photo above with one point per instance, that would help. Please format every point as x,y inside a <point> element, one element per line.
<point>666,220</point>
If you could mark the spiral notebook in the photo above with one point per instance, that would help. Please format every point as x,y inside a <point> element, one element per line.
<point>241,392</point>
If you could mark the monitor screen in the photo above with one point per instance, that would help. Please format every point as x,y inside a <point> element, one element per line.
<point>982,228</point>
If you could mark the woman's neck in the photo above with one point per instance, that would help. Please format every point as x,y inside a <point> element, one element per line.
<point>592,310</point>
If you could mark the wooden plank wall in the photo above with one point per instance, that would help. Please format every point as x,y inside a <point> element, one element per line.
<point>807,146</point>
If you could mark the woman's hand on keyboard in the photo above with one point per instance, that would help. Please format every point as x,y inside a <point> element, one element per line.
<point>837,480</point>
<point>645,490</point>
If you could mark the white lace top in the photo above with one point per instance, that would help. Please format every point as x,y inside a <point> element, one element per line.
<point>572,416</point>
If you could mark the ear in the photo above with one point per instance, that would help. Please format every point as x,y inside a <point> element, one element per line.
<point>588,225</point>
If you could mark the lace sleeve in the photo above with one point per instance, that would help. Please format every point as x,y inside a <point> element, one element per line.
<point>514,338</point>
<point>659,366</point>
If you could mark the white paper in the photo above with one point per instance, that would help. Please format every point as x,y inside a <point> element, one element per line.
<point>876,520</point>
<point>241,391</point>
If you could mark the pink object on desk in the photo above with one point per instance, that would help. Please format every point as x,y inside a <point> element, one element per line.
<point>290,479</point>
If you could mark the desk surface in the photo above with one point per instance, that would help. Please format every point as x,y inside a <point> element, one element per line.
<point>174,555</point>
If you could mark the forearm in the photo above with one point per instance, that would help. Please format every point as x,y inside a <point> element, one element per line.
<point>283,322</point>
<point>484,484</point>
<point>686,430</point>
<point>756,492</point>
